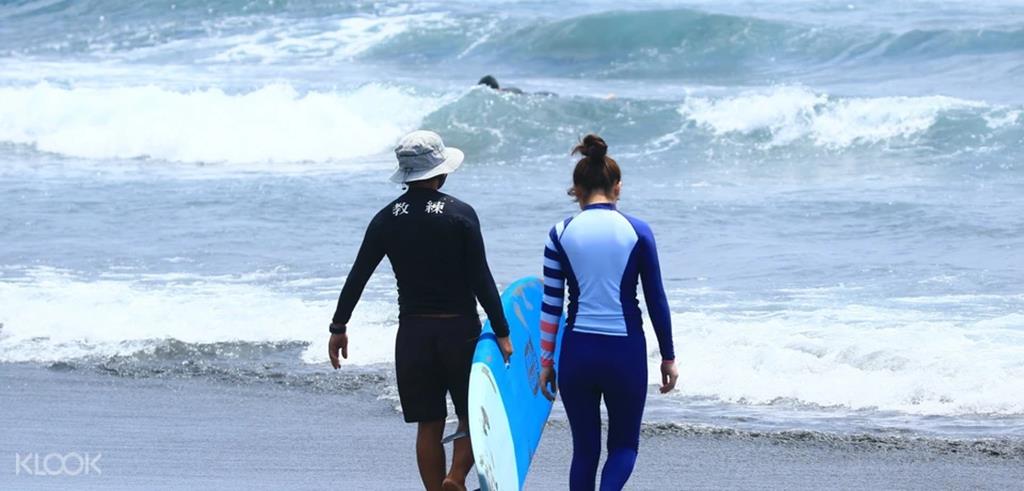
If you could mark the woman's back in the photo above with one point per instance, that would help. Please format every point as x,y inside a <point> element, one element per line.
<point>600,251</point>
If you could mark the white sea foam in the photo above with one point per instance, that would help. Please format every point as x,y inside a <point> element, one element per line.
<point>339,39</point>
<point>854,356</point>
<point>273,124</point>
<point>899,358</point>
<point>789,114</point>
<point>54,316</point>
<point>1003,118</point>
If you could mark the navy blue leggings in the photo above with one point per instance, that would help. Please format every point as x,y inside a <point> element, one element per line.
<point>615,367</point>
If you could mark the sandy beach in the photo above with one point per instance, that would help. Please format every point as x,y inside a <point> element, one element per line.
<point>175,433</point>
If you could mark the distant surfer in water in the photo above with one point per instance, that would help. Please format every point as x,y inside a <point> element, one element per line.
<point>601,253</point>
<point>434,243</point>
<point>492,82</point>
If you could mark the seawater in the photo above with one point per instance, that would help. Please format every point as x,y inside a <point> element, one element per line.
<point>836,188</point>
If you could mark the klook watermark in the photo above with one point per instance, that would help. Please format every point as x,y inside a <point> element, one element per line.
<point>58,464</point>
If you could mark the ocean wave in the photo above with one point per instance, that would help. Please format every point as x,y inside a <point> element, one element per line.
<point>339,39</point>
<point>686,39</point>
<point>675,42</point>
<point>235,363</point>
<point>108,27</point>
<point>634,43</point>
<point>912,360</point>
<point>915,361</point>
<point>138,317</point>
<point>505,126</point>
<point>782,116</point>
<point>276,123</point>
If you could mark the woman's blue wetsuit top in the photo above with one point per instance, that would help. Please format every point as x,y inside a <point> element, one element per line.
<point>601,254</point>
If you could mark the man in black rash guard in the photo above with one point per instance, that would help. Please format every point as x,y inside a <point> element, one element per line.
<point>437,252</point>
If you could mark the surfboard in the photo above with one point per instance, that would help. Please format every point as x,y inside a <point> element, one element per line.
<point>507,410</point>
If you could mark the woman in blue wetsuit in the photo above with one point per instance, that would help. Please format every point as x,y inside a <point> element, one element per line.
<point>600,254</point>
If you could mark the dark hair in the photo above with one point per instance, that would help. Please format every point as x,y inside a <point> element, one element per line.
<point>596,171</point>
<point>439,180</point>
<point>489,81</point>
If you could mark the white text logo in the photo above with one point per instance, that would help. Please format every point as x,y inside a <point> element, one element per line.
<point>435,207</point>
<point>55,464</point>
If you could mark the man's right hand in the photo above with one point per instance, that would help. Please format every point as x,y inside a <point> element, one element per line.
<point>337,342</point>
<point>505,345</point>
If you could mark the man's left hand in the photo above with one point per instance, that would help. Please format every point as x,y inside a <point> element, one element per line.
<point>337,342</point>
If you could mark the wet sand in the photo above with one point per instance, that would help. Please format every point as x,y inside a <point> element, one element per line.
<point>202,434</point>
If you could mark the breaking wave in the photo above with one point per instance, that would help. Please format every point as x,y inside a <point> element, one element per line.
<point>171,316</point>
<point>276,123</point>
<point>784,115</point>
<point>912,360</point>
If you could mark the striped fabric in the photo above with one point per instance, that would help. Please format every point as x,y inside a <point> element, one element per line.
<point>554,295</point>
<point>600,256</point>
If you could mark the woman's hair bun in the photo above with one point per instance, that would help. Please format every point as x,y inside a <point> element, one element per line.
<point>593,147</point>
<point>596,171</point>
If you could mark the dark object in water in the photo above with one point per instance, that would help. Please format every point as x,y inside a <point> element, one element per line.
<point>489,81</point>
<point>492,82</point>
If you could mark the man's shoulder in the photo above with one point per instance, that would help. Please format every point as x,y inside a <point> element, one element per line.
<point>456,201</point>
<point>458,207</point>
<point>437,205</point>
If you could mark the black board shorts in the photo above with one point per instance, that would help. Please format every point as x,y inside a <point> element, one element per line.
<point>433,357</point>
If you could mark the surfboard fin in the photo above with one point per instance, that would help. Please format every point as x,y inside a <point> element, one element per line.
<point>454,436</point>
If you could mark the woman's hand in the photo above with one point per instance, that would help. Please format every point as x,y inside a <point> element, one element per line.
<point>547,376</point>
<point>669,375</point>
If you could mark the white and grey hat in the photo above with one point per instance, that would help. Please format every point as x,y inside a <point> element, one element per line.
<point>422,155</point>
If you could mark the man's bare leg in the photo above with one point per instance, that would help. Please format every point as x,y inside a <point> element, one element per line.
<point>462,461</point>
<point>430,454</point>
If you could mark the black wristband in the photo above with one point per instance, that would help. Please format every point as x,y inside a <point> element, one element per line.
<point>337,328</point>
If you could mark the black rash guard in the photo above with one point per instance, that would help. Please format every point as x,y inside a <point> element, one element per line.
<point>437,252</point>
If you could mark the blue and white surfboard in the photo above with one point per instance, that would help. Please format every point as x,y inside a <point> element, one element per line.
<point>507,410</point>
